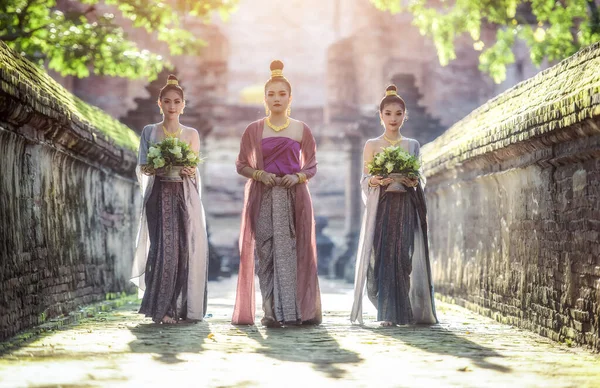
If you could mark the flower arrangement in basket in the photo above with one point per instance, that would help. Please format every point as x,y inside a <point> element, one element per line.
<point>172,155</point>
<point>394,162</point>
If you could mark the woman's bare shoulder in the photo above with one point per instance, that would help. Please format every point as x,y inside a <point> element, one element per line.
<point>187,129</point>
<point>373,143</point>
<point>297,128</point>
<point>189,132</point>
<point>298,125</point>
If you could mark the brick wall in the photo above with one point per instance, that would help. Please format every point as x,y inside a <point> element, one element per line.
<point>68,199</point>
<point>514,204</point>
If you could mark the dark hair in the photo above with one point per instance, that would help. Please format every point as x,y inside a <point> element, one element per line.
<point>278,65</point>
<point>391,99</point>
<point>171,86</point>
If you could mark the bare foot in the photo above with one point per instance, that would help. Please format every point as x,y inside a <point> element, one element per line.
<point>167,320</point>
<point>387,324</point>
<point>270,322</point>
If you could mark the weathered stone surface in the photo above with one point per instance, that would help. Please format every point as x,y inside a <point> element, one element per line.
<point>68,199</point>
<point>121,348</point>
<point>513,193</point>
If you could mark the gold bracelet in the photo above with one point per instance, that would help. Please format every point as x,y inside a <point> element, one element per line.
<point>301,177</point>
<point>371,184</point>
<point>257,174</point>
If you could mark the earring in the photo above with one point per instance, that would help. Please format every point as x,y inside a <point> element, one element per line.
<point>161,111</point>
<point>182,111</point>
<point>289,110</point>
<point>266,110</point>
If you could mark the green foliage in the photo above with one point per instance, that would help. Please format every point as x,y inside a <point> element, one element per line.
<point>394,160</point>
<point>552,29</point>
<point>172,152</point>
<point>81,39</point>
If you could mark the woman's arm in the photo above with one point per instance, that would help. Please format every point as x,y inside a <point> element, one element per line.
<point>421,178</point>
<point>143,151</point>
<point>194,146</point>
<point>308,147</point>
<point>242,164</point>
<point>368,155</point>
<point>195,142</point>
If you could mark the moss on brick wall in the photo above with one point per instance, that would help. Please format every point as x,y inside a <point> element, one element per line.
<point>513,194</point>
<point>29,84</point>
<point>556,98</point>
<point>69,202</point>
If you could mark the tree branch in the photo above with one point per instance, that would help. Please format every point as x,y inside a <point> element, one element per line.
<point>23,14</point>
<point>19,35</point>
<point>595,17</point>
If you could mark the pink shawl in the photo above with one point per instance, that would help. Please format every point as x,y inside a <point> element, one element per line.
<point>307,284</point>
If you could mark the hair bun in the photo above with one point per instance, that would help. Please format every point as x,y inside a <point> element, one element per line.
<point>391,87</point>
<point>276,65</point>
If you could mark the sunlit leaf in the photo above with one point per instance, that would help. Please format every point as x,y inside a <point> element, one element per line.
<point>81,40</point>
<point>552,29</point>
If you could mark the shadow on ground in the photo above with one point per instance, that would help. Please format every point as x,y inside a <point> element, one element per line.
<point>168,341</point>
<point>309,344</point>
<point>439,340</point>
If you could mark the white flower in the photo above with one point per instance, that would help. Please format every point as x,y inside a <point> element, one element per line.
<point>153,152</point>
<point>403,156</point>
<point>379,159</point>
<point>191,156</point>
<point>159,162</point>
<point>176,151</point>
<point>389,166</point>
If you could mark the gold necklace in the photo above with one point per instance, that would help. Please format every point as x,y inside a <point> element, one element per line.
<point>171,134</point>
<point>392,142</point>
<point>278,128</point>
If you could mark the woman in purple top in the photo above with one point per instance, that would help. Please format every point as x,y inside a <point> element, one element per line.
<point>278,153</point>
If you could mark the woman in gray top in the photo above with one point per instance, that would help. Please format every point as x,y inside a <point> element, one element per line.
<point>171,261</point>
<point>393,256</point>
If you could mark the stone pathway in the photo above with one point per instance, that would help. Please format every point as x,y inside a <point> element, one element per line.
<point>122,349</point>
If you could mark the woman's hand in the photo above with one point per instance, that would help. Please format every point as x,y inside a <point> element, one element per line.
<point>289,180</point>
<point>268,179</point>
<point>410,182</point>
<point>378,180</point>
<point>188,171</point>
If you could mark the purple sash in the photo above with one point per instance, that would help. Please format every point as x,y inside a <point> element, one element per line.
<point>281,155</point>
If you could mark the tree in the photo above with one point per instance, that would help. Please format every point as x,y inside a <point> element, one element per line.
<point>553,29</point>
<point>74,37</point>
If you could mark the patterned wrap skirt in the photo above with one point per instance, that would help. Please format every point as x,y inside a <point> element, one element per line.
<point>388,274</point>
<point>276,254</point>
<point>167,265</point>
